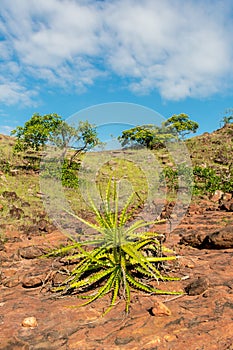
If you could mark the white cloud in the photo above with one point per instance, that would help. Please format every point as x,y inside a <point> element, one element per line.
<point>63,30</point>
<point>12,93</point>
<point>6,129</point>
<point>179,48</point>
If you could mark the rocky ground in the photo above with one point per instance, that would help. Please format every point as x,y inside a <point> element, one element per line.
<point>200,319</point>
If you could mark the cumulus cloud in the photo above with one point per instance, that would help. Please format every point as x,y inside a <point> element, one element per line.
<point>12,93</point>
<point>178,48</point>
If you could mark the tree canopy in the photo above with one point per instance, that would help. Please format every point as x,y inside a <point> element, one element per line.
<point>80,139</point>
<point>182,124</point>
<point>36,132</point>
<point>149,136</point>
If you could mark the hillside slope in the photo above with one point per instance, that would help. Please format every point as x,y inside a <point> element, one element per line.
<point>209,149</point>
<point>213,149</point>
<point>212,153</point>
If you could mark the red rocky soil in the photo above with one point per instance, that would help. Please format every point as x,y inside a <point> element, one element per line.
<point>201,319</point>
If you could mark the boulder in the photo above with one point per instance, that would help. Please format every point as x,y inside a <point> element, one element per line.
<point>194,239</point>
<point>226,205</point>
<point>221,239</point>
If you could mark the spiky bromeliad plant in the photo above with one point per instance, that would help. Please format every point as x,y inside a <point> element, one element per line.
<point>118,261</point>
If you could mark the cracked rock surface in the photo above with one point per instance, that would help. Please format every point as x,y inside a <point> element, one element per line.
<point>201,319</point>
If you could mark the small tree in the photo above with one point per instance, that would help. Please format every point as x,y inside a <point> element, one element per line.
<point>228,117</point>
<point>182,124</point>
<point>149,136</point>
<point>50,128</point>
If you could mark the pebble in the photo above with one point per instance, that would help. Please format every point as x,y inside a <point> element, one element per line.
<point>30,322</point>
<point>30,252</point>
<point>11,282</point>
<point>30,281</point>
<point>170,337</point>
<point>159,309</point>
<point>152,343</point>
<point>198,286</point>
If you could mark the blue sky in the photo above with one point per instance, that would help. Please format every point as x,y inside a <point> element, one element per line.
<point>62,56</point>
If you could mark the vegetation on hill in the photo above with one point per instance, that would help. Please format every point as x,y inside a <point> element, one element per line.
<point>212,158</point>
<point>211,155</point>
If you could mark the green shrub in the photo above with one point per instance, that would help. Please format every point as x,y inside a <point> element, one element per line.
<point>5,165</point>
<point>207,181</point>
<point>170,176</point>
<point>182,175</point>
<point>67,173</point>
